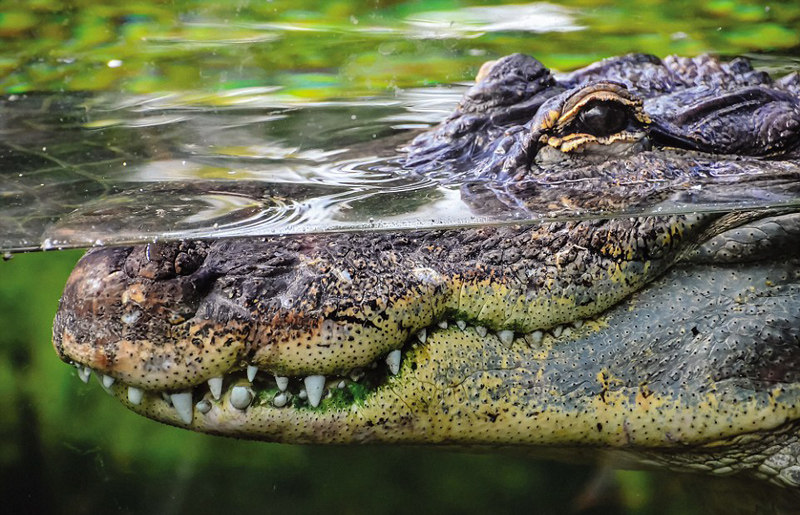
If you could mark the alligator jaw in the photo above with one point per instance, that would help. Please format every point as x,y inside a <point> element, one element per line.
<point>253,403</point>
<point>702,357</point>
<point>303,306</point>
<point>580,389</point>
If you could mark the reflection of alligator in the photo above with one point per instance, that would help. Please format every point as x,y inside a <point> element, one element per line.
<point>669,339</point>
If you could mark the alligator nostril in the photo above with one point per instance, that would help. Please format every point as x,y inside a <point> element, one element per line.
<point>151,261</point>
<point>186,263</point>
<point>202,280</point>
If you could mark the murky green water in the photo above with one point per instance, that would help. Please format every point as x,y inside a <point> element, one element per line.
<point>134,120</point>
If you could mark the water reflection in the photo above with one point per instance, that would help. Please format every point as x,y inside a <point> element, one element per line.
<point>81,170</point>
<point>78,169</point>
<point>537,17</point>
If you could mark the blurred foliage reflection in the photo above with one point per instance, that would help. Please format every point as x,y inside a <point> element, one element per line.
<point>342,48</point>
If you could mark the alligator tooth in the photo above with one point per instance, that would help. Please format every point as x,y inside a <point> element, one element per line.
<point>535,338</point>
<point>283,382</point>
<point>215,386</point>
<point>165,396</point>
<point>443,324</point>
<point>506,337</point>
<point>241,397</point>
<point>356,374</point>
<point>393,360</point>
<point>557,330</point>
<point>461,324</point>
<point>84,373</point>
<point>422,335</point>
<point>280,400</point>
<point>567,332</point>
<point>252,370</point>
<point>341,384</point>
<point>203,406</point>
<point>183,405</point>
<point>482,331</point>
<point>578,324</point>
<point>105,382</point>
<point>135,395</point>
<point>314,387</point>
<point>302,394</point>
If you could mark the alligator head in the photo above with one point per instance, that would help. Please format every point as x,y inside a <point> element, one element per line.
<point>669,339</point>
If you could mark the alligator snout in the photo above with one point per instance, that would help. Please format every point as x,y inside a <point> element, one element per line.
<point>119,298</point>
<point>176,316</point>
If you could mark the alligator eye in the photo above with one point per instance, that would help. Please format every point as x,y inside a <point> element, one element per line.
<point>604,119</point>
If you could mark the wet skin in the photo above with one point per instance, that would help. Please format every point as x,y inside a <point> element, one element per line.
<point>669,339</point>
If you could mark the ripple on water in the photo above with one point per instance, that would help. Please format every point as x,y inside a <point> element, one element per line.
<point>106,169</point>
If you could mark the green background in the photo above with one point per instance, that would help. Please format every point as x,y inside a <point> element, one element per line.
<point>68,447</point>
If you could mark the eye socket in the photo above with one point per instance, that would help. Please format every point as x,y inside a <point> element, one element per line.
<point>603,119</point>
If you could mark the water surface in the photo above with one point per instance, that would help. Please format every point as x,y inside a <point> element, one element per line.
<point>129,123</point>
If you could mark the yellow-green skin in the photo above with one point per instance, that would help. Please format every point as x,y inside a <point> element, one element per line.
<point>461,388</point>
<point>635,378</point>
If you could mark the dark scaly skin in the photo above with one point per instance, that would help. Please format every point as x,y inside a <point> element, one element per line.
<point>660,339</point>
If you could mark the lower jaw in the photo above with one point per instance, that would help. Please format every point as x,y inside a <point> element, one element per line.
<point>306,426</point>
<point>422,405</point>
<point>387,417</point>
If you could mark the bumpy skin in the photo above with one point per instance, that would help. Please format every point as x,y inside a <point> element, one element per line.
<point>660,339</point>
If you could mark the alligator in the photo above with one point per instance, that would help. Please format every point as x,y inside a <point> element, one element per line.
<point>668,340</point>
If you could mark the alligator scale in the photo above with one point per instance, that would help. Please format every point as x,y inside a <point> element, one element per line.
<point>671,340</point>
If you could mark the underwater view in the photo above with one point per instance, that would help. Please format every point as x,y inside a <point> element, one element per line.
<point>152,122</point>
